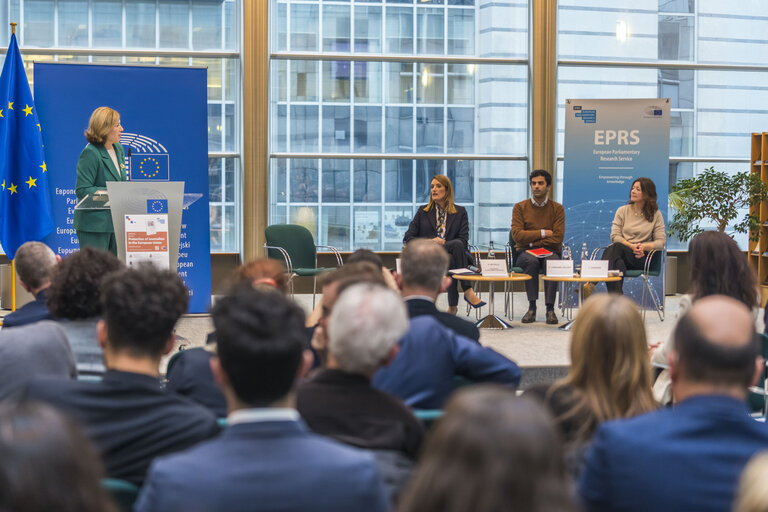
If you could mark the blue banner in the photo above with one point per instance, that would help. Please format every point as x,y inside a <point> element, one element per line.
<point>609,144</point>
<point>25,201</point>
<point>163,111</point>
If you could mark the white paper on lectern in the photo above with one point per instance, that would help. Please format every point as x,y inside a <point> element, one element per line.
<point>559,268</point>
<point>146,240</point>
<point>594,268</point>
<point>494,268</point>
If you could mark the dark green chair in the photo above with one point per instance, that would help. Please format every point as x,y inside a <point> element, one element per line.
<point>294,245</point>
<point>511,255</point>
<point>123,493</point>
<point>654,267</point>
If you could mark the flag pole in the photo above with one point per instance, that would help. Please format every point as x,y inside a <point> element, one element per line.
<point>13,27</point>
<point>13,285</point>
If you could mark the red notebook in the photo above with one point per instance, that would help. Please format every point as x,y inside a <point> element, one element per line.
<point>540,252</point>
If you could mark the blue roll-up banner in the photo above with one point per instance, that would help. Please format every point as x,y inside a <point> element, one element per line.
<point>609,144</point>
<point>163,111</point>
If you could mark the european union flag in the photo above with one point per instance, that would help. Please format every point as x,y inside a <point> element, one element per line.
<point>25,203</point>
<point>157,206</point>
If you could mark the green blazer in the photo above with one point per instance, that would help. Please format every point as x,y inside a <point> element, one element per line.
<point>94,170</point>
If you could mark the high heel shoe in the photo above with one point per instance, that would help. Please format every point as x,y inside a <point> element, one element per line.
<point>475,306</point>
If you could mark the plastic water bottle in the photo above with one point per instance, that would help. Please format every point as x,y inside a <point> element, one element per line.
<point>584,253</point>
<point>491,252</point>
<point>566,252</point>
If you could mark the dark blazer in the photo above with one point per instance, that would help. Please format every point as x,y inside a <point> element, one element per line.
<point>265,466</point>
<point>130,418</point>
<point>422,307</point>
<point>345,407</point>
<point>430,355</point>
<point>29,313</point>
<point>424,225</point>
<point>190,375</point>
<point>94,170</point>
<point>688,457</point>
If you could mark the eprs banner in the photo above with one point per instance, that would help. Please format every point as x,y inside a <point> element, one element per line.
<point>608,145</point>
<point>163,111</point>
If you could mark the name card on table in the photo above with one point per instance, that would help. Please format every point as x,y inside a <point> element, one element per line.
<point>559,268</point>
<point>494,268</point>
<point>594,268</point>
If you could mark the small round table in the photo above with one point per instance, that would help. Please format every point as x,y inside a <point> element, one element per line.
<point>491,321</point>
<point>568,281</point>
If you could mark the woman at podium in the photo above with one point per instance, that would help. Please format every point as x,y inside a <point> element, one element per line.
<point>102,160</point>
<point>448,225</point>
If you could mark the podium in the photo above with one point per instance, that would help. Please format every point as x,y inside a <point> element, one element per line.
<point>142,198</point>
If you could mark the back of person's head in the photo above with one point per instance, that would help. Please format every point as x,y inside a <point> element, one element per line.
<point>541,173</point>
<point>752,495</point>
<point>141,306</point>
<point>719,267</point>
<point>715,344</point>
<point>366,323</point>
<point>75,292</point>
<point>356,272</point>
<point>365,255</point>
<point>491,451</point>
<point>260,335</point>
<point>423,263</point>
<point>34,263</point>
<point>263,272</point>
<point>47,463</point>
<point>610,369</point>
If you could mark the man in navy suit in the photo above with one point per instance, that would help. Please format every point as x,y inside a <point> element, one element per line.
<point>266,459</point>
<point>34,263</point>
<point>423,265</point>
<point>688,457</point>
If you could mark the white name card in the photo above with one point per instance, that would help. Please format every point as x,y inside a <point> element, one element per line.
<point>494,268</point>
<point>594,268</point>
<point>559,268</point>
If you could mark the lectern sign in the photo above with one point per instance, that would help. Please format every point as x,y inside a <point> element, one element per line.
<point>146,240</point>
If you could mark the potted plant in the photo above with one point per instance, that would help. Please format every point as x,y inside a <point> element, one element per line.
<point>716,197</point>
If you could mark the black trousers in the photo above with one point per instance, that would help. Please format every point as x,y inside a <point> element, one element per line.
<point>621,257</point>
<point>459,259</point>
<point>532,266</point>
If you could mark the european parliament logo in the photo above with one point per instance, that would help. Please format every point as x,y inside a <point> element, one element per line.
<point>148,160</point>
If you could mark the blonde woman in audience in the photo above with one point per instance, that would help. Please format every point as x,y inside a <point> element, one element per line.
<point>609,377</point>
<point>752,495</point>
<point>492,451</point>
<point>718,267</point>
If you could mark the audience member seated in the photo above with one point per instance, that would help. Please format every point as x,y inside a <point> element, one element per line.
<point>752,494</point>
<point>74,300</point>
<point>339,402</point>
<point>423,268</point>
<point>718,267</point>
<point>33,351</point>
<point>189,373</point>
<point>47,463</point>
<point>347,275</point>
<point>492,451</point>
<point>688,457</point>
<point>266,459</point>
<point>128,414</point>
<point>609,376</point>
<point>430,355</point>
<point>34,263</point>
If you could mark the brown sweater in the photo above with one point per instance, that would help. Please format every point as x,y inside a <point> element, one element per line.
<point>528,221</point>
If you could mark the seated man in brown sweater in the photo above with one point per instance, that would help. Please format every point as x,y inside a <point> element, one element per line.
<point>538,222</point>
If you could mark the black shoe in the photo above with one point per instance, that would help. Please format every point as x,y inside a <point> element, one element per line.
<point>551,317</point>
<point>529,317</point>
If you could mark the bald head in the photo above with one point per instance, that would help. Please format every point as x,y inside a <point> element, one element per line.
<point>716,343</point>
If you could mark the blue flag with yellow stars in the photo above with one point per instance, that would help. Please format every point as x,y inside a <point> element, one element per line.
<point>25,202</point>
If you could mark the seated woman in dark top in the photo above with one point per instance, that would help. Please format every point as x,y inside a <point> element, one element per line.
<point>447,224</point>
<point>609,377</point>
